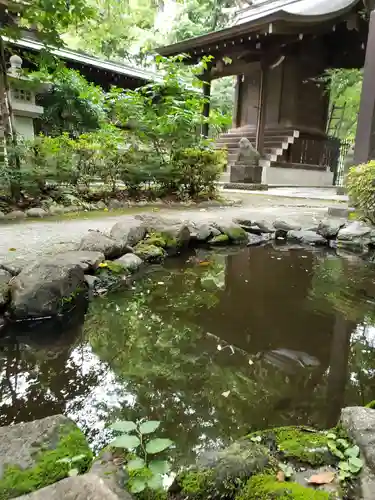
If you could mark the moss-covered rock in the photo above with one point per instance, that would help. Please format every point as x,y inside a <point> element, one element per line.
<point>266,487</point>
<point>301,444</point>
<point>234,231</point>
<point>30,454</point>
<point>221,474</point>
<point>221,239</point>
<point>149,253</point>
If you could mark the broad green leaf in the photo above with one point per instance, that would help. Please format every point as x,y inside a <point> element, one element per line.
<point>344,475</point>
<point>157,445</point>
<point>344,465</point>
<point>333,448</point>
<point>343,443</point>
<point>73,472</point>
<point>137,485</point>
<point>77,458</point>
<point>65,460</point>
<point>159,466</point>
<point>123,426</point>
<point>149,426</point>
<point>331,435</point>
<point>356,462</point>
<point>136,464</point>
<point>126,441</point>
<point>256,439</point>
<point>353,451</point>
<point>155,482</point>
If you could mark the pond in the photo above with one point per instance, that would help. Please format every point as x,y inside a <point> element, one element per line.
<point>213,345</point>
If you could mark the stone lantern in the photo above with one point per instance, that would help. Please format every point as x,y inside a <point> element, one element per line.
<point>22,99</point>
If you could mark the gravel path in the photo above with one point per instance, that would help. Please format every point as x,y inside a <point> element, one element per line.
<point>30,239</point>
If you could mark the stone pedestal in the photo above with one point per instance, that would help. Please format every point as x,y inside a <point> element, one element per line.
<point>247,174</point>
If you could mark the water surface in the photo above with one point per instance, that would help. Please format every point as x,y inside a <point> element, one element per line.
<point>213,345</point>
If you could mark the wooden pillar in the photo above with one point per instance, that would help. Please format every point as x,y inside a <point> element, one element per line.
<point>364,149</point>
<point>236,119</point>
<point>206,106</point>
<point>262,101</point>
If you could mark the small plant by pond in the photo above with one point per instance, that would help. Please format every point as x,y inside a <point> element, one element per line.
<point>145,471</point>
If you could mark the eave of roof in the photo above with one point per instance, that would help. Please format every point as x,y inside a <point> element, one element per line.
<point>70,55</point>
<point>298,12</point>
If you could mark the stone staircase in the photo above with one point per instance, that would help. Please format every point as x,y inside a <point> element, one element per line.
<point>276,141</point>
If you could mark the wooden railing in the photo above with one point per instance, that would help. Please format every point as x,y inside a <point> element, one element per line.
<point>315,150</point>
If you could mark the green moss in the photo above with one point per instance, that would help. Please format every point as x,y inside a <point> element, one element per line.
<point>221,239</point>
<point>197,484</point>
<point>305,445</point>
<point>156,239</point>
<point>149,252</point>
<point>72,442</point>
<point>110,266</point>
<point>237,234</point>
<point>266,487</point>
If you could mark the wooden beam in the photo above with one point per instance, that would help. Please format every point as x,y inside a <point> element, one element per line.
<point>236,118</point>
<point>262,101</point>
<point>364,149</point>
<point>206,106</point>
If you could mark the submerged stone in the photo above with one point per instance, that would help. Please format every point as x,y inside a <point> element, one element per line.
<point>29,454</point>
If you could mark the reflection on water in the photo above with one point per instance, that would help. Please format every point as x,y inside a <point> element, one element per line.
<point>213,346</point>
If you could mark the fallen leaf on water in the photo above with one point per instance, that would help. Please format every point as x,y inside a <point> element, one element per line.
<point>322,478</point>
<point>280,476</point>
<point>204,263</point>
<point>12,249</point>
<point>226,394</point>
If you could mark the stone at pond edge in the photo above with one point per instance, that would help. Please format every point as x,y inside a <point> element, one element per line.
<point>129,233</point>
<point>220,473</point>
<point>5,277</point>
<point>286,226</point>
<point>359,422</point>
<point>149,253</point>
<point>329,228</point>
<point>29,454</point>
<point>306,237</point>
<point>220,239</point>
<point>175,233</point>
<point>15,214</point>
<point>95,241</point>
<point>354,231</point>
<point>86,487</point>
<point>88,261</point>
<point>46,288</point>
<point>108,466</point>
<point>36,212</point>
<point>234,232</point>
<point>257,239</point>
<point>130,262</point>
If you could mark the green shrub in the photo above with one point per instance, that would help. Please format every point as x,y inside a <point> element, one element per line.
<point>361,189</point>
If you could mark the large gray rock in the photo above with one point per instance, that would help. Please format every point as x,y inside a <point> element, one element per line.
<point>130,262</point>
<point>128,233</point>
<point>329,228</point>
<point>354,231</point>
<point>25,446</point>
<point>46,287</point>
<point>86,487</point>
<point>201,231</point>
<point>36,212</point>
<point>95,241</point>
<point>115,204</point>
<point>149,253</point>
<point>107,467</point>
<point>359,423</point>
<point>5,277</point>
<point>234,231</point>
<point>56,209</point>
<point>282,225</point>
<point>176,233</point>
<point>88,261</point>
<point>15,214</point>
<point>306,237</point>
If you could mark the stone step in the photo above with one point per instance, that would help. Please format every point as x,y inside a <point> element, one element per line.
<point>268,143</point>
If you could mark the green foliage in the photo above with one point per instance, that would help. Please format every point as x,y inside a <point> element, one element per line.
<point>361,189</point>
<point>350,463</point>
<point>145,473</point>
<point>49,466</point>
<point>71,104</point>
<point>264,487</point>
